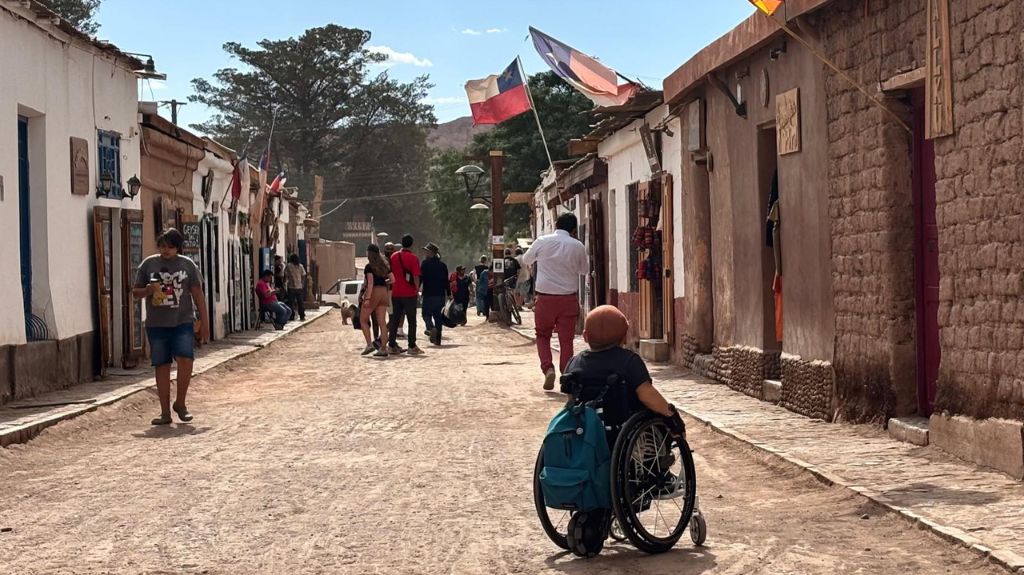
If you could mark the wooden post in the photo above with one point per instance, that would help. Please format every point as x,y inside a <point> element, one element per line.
<point>497,212</point>
<point>318,195</point>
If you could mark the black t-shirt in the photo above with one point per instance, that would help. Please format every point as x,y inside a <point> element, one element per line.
<point>593,368</point>
<point>377,280</point>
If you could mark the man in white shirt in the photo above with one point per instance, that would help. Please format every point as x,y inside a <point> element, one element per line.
<point>561,260</point>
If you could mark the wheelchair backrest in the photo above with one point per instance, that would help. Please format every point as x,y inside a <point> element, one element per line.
<point>608,394</point>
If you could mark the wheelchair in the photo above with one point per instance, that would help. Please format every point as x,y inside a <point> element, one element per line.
<point>653,484</point>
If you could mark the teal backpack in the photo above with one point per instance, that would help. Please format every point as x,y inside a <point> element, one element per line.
<point>577,460</point>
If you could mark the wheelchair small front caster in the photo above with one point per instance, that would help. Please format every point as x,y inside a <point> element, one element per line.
<point>698,529</point>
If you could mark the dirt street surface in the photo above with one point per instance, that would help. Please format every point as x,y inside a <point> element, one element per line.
<point>306,458</point>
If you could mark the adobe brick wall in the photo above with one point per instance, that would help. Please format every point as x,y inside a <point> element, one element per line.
<point>870,207</point>
<point>980,172</point>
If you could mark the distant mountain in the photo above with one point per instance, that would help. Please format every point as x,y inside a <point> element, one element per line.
<point>454,135</point>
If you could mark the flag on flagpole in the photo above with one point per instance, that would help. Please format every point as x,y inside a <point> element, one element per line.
<point>497,98</point>
<point>767,6</point>
<point>591,78</point>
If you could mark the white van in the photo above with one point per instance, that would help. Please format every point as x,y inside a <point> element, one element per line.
<point>347,290</point>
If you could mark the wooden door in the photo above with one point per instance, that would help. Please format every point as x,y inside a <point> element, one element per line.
<point>598,249</point>
<point>25,223</point>
<point>132,252</point>
<point>104,238</point>
<point>645,327</point>
<point>667,261</point>
<point>926,261</point>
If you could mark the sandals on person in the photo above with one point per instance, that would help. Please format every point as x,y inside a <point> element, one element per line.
<point>182,412</point>
<point>164,419</point>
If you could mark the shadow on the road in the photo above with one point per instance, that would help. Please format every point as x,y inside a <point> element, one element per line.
<point>623,558</point>
<point>168,431</point>
<point>917,493</point>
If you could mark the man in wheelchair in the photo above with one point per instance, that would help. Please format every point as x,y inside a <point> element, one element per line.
<point>615,376</point>
<point>611,394</point>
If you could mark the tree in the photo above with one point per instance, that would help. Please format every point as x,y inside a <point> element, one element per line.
<point>365,133</point>
<point>79,13</point>
<point>564,114</point>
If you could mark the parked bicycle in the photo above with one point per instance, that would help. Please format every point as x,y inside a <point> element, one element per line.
<point>505,302</point>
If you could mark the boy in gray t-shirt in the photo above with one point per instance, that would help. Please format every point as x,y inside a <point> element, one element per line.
<point>173,289</point>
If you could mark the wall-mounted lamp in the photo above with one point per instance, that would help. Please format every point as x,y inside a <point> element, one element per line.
<point>134,186</point>
<point>106,184</point>
<point>775,53</point>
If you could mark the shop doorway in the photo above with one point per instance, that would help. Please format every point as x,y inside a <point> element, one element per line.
<point>771,242</point>
<point>598,259</point>
<point>25,222</point>
<point>926,260</point>
<point>649,245</point>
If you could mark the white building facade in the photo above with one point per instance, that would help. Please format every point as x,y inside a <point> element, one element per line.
<point>67,117</point>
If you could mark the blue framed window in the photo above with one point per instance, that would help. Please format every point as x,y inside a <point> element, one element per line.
<point>109,157</point>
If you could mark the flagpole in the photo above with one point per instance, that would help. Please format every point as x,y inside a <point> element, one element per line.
<point>533,106</point>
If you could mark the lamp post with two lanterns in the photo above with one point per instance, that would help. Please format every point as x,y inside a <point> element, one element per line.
<point>472,176</point>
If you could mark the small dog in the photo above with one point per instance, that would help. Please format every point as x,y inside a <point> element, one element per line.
<point>348,311</point>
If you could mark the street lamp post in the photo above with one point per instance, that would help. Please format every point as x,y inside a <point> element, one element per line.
<point>472,176</point>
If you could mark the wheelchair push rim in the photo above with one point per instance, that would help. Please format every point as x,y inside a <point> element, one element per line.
<point>555,522</point>
<point>653,484</point>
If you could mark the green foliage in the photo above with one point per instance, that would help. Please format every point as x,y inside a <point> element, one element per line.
<point>79,13</point>
<point>563,113</point>
<point>364,132</point>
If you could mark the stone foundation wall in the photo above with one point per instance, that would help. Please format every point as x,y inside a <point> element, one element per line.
<point>721,365</point>
<point>807,387</point>
<point>750,366</point>
<point>688,350</point>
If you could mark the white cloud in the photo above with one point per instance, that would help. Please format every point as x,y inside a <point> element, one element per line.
<point>443,100</point>
<point>395,57</point>
<point>473,32</point>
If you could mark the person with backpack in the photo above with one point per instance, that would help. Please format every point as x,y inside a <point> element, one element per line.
<point>405,295</point>
<point>577,443</point>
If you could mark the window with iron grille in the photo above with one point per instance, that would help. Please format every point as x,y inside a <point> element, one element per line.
<point>109,157</point>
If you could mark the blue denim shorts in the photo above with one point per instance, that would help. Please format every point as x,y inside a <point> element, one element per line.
<point>167,343</point>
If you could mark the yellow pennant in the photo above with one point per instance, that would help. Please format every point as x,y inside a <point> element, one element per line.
<point>767,6</point>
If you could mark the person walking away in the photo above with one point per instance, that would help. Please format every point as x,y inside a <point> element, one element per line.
<point>522,280</point>
<point>404,294</point>
<point>268,300</point>
<point>478,272</point>
<point>461,284</point>
<point>561,259</point>
<point>295,284</point>
<point>374,299</point>
<point>436,291</point>
<point>511,276</point>
<point>173,289</point>
<point>483,294</point>
<point>389,250</point>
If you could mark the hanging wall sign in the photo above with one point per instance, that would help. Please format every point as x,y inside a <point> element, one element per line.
<point>938,84</point>
<point>696,139</point>
<point>79,167</point>
<point>787,118</point>
<point>192,233</point>
<point>650,148</point>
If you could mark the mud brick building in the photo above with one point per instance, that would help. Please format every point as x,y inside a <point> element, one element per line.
<point>889,282</point>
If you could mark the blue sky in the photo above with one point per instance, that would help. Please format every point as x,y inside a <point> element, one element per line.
<point>450,40</point>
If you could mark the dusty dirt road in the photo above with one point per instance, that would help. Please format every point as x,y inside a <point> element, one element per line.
<point>305,458</point>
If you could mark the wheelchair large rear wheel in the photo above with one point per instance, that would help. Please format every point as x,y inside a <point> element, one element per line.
<point>653,483</point>
<point>554,521</point>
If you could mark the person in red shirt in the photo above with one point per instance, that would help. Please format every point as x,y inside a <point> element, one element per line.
<point>268,300</point>
<point>404,294</point>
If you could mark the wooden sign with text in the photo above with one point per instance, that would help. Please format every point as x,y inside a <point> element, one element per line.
<point>938,120</point>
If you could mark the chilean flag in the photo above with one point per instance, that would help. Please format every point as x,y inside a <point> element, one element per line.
<point>495,99</point>
<point>591,78</point>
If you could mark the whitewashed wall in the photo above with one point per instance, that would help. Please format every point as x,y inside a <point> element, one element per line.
<point>671,157</point>
<point>67,89</point>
